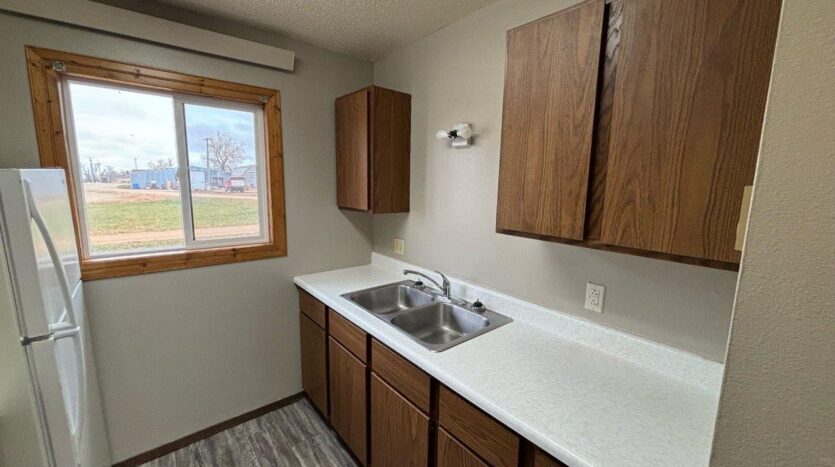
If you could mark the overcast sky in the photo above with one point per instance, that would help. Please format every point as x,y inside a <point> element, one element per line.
<point>114,126</point>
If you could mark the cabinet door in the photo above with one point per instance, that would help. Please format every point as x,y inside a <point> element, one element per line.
<point>451,453</point>
<point>547,123</point>
<point>399,431</point>
<point>689,96</point>
<point>352,132</point>
<point>347,386</point>
<point>314,373</point>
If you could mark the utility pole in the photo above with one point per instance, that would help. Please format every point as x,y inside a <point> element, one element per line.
<point>92,175</point>
<point>208,165</point>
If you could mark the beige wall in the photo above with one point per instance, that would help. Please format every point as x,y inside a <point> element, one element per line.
<point>457,74</point>
<point>778,398</point>
<point>179,351</point>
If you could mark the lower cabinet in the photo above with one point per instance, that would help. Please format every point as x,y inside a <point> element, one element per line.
<point>399,430</point>
<point>380,403</point>
<point>348,393</point>
<point>451,453</point>
<point>314,364</point>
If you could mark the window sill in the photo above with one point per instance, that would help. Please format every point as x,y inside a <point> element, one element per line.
<point>103,268</point>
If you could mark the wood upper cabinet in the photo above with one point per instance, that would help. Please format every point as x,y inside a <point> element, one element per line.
<point>688,103</point>
<point>314,363</point>
<point>373,138</point>
<point>634,125</point>
<point>348,398</point>
<point>399,430</point>
<point>548,117</point>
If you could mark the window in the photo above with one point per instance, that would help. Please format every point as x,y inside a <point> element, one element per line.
<point>165,170</point>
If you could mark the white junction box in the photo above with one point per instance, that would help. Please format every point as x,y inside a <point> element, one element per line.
<point>594,297</point>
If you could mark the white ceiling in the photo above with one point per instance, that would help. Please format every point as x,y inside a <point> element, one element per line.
<point>366,29</point>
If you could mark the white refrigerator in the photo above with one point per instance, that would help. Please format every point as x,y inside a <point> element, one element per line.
<point>50,410</point>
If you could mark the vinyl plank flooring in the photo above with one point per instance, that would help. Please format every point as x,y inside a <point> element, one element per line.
<point>291,436</point>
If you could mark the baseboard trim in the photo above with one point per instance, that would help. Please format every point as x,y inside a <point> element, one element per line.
<point>147,456</point>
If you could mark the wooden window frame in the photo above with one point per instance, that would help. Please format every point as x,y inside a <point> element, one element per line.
<point>47,68</point>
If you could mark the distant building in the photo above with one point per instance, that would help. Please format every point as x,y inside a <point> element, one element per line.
<point>167,178</point>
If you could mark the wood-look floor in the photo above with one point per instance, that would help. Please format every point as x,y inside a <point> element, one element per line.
<point>294,435</point>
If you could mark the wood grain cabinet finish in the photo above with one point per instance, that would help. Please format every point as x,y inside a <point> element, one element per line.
<point>314,309</point>
<point>401,374</point>
<point>633,125</point>
<point>314,363</point>
<point>348,398</point>
<point>547,123</point>
<point>541,459</point>
<point>373,139</point>
<point>451,453</point>
<point>486,437</point>
<point>399,430</point>
<point>689,98</point>
<point>350,336</point>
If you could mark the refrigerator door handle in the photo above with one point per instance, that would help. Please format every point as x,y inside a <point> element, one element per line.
<point>53,253</point>
<point>63,327</point>
<point>61,333</point>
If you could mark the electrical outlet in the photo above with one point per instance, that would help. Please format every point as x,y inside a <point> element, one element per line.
<point>399,246</point>
<point>594,297</point>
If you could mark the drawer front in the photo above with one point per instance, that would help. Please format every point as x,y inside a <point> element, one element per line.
<point>406,378</point>
<point>486,437</point>
<point>350,336</point>
<point>544,460</point>
<point>451,453</point>
<point>314,309</point>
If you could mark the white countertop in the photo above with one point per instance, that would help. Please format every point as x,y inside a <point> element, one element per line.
<point>581,403</point>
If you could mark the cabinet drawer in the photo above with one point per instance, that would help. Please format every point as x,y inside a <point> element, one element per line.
<point>451,453</point>
<point>406,378</point>
<point>544,460</point>
<point>350,336</point>
<point>314,309</point>
<point>486,437</point>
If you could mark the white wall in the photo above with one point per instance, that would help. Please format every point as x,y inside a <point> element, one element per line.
<point>778,399</point>
<point>179,351</point>
<point>457,74</point>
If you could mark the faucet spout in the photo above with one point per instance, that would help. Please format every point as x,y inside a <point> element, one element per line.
<point>444,286</point>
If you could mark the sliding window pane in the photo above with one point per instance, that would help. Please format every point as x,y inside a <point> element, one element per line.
<point>224,172</point>
<point>126,161</point>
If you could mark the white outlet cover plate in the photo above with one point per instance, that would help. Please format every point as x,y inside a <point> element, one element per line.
<point>594,297</point>
<point>399,246</point>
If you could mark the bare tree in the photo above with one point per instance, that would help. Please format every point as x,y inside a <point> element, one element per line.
<point>161,164</point>
<point>225,152</point>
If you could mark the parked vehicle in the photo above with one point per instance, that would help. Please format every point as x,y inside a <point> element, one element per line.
<point>236,184</point>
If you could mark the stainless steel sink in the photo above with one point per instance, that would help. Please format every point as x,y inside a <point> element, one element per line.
<point>427,318</point>
<point>390,298</point>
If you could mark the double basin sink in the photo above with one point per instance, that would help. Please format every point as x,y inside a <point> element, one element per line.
<point>431,320</point>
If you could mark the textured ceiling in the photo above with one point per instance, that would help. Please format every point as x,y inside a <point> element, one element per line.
<point>366,29</point>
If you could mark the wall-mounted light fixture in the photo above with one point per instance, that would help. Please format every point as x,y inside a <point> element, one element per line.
<point>460,136</point>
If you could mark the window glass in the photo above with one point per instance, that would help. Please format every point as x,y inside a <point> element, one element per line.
<point>223,171</point>
<point>126,161</point>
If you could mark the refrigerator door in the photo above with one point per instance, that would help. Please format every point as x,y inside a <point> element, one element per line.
<point>41,280</point>
<point>39,240</point>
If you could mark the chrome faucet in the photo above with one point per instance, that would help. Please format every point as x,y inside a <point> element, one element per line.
<point>444,287</point>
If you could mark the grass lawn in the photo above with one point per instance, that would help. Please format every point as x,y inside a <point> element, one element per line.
<point>165,214</point>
